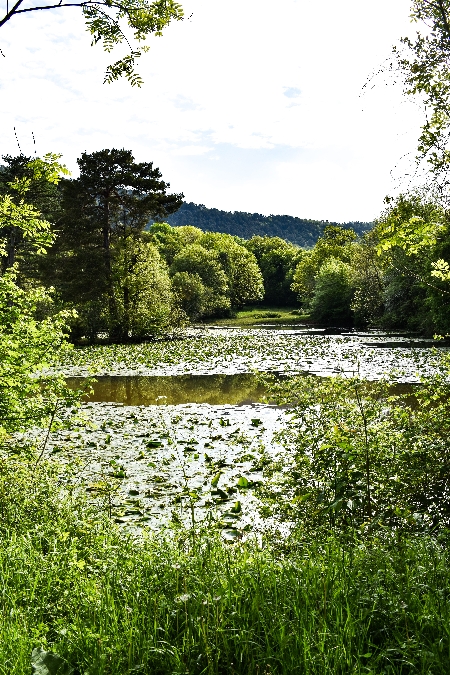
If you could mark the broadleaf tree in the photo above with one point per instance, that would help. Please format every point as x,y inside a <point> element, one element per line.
<point>30,202</point>
<point>28,342</point>
<point>425,64</point>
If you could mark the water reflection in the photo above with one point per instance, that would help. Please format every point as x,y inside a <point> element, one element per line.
<point>241,389</point>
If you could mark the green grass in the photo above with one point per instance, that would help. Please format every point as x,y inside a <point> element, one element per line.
<point>254,316</point>
<point>74,584</point>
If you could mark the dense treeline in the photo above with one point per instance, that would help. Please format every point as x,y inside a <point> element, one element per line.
<point>120,278</point>
<point>300,231</point>
<point>395,276</point>
<point>117,278</point>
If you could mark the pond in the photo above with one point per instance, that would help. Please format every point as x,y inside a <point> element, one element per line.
<point>177,430</point>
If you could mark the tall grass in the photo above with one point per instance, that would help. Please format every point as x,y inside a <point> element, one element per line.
<point>72,583</point>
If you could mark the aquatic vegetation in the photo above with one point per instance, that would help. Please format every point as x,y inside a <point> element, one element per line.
<point>227,351</point>
<point>154,466</point>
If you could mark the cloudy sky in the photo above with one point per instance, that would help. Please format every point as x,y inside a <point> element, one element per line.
<point>248,105</point>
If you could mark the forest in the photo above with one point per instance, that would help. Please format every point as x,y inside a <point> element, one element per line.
<point>299,231</point>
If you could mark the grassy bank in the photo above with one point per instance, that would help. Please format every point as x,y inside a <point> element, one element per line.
<point>72,583</point>
<point>257,316</point>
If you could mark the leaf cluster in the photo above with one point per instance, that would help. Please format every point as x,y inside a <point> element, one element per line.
<point>107,22</point>
<point>362,457</point>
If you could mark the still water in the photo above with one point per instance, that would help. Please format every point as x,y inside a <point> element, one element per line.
<point>216,390</point>
<point>238,389</point>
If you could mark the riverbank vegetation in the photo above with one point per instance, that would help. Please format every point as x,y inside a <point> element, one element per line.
<point>359,585</point>
<point>103,603</point>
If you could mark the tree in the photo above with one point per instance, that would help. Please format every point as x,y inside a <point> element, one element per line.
<point>27,342</point>
<point>425,64</point>
<point>190,294</point>
<point>170,240</point>
<point>105,20</point>
<point>333,292</point>
<point>244,277</point>
<point>197,260</point>
<point>28,192</point>
<point>336,242</point>
<point>142,289</point>
<point>367,281</point>
<point>277,260</point>
<point>413,245</point>
<point>110,202</point>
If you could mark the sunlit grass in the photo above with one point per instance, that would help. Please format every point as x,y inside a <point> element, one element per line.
<point>256,316</point>
<point>74,584</point>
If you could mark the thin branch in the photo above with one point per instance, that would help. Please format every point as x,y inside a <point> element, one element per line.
<point>14,10</point>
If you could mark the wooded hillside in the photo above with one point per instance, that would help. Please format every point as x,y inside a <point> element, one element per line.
<point>299,231</point>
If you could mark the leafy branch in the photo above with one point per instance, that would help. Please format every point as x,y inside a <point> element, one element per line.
<point>104,19</point>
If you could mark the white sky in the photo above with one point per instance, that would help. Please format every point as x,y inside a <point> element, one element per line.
<point>250,105</point>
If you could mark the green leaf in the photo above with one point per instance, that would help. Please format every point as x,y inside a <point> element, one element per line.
<point>154,444</point>
<point>48,663</point>
<point>216,479</point>
<point>237,507</point>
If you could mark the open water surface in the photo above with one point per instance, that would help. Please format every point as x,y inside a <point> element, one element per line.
<point>238,389</point>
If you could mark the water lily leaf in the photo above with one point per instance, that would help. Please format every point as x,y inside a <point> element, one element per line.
<point>118,474</point>
<point>256,422</point>
<point>237,508</point>
<point>243,482</point>
<point>153,444</point>
<point>48,663</point>
<point>216,479</point>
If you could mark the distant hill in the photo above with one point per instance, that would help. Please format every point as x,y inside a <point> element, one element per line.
<point>299,231</point>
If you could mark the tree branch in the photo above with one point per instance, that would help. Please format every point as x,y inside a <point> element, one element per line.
<point>444,18</point>
<point>10,13</point>
<point>14,10</point>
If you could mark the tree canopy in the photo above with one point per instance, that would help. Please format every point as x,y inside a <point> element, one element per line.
<point>104,213</point>
<point>299,231</point>
<point>425,64</point>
